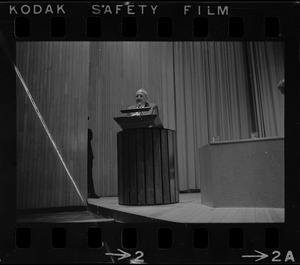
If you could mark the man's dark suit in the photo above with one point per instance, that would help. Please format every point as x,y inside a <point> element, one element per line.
<point>153,108</point>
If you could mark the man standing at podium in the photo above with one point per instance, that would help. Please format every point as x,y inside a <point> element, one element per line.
<point>141,98</point>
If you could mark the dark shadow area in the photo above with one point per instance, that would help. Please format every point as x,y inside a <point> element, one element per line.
<point>63,217</point>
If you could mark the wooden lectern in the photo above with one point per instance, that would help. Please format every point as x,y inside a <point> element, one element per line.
<point>147,162</point>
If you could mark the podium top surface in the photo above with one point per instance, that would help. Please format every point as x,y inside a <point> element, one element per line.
<point>135,110</point>
<point>135,122</point>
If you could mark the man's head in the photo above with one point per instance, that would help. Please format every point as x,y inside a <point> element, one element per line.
<point>141,96</point>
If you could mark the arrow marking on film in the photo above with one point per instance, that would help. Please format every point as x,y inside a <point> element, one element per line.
<point>261,256</point>
<point>122,255</point>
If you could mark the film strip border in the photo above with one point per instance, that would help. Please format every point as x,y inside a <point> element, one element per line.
<point>153,21</point>
<point>165,243</point>
<point>129,27</point>
<point>200,237</point>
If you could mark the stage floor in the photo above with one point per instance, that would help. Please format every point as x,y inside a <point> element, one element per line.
<point>188,210</point>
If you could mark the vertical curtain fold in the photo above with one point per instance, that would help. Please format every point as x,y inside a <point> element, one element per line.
<point>211,100</point>
<point>266,61</point>
<point>56,74</point>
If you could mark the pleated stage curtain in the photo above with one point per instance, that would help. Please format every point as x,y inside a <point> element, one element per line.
<point>212,100</point>
<point>266,60</point>
<point>56,74</point>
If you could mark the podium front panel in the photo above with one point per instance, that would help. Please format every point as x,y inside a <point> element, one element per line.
<point>147,167</point>
<point>157,166</point>
<point>165,170</point>
<point>140,168</point>
<point>148,163</point>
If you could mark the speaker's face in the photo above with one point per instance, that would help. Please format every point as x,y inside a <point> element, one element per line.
<point>140,98</point>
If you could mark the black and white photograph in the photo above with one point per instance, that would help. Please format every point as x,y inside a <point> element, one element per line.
<point>145,131</point>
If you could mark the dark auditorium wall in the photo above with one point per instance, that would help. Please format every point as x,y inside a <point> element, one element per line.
<point>56,74</point>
